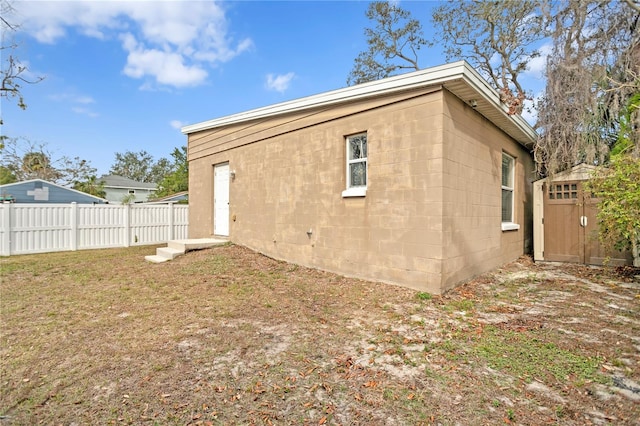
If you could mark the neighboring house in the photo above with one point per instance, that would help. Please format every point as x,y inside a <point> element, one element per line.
<point>565,226</point>
<point>422,179</point>
<point>42,191</point>
<point>119,188</point>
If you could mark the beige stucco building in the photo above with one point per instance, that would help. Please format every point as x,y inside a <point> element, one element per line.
<point>422,180</point>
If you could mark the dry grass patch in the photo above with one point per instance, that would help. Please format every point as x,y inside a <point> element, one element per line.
<point>227,336</point>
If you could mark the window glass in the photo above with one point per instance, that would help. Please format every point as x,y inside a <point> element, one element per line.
<point>357,161</point>
<point>507,188</point>
<point>357,147</point>
<point>358,174</point>
<point>507,206</point>
<point>507,166</point>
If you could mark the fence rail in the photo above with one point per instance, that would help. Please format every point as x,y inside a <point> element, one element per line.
<point>41,228</point>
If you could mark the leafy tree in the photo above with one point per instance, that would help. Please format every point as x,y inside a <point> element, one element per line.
<point>128,199</point>
<point>23,159</point>
<point>618,190</point>
<point>7,176</point>
<point>177,179</point>
<point>91,186</point>
<point>496,37</point>
<point>617,187</point>
<point>393,43</point>
<point>160,169</point>
<point>38,164</point>
<point>140,166</point>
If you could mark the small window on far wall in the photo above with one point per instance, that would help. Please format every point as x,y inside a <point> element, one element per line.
<point>356,166</point>
<point>508,165</point>
<point>132,191</point>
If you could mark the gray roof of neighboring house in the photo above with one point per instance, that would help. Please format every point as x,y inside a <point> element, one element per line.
<point>42,191</point>
<point>178,196</point>
<point>115,181</point>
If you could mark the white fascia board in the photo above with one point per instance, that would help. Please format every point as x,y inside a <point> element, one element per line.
<point>427,77</point>
<point>480,85</point>
<point>130,187</point>
<point>439,75</point>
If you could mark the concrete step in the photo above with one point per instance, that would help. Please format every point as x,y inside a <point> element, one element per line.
<point>156,259</point>
<point>176,248</point>
<point>196,243</point>
<point>169,252</point>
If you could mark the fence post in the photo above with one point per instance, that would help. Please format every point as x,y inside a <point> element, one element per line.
<point>127,225</point>
<point>171,220</point>
<point>74,226</point>
<point>5,250</point>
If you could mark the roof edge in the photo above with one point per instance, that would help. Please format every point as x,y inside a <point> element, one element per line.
<point>438,75</point>
<point>54,184</point>
<point>426,77</point>
<point>480,85</point>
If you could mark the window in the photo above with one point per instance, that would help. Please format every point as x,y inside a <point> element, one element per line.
<point>566,191</point>
<point>356,166</point>
<point>508,165</point>
<point>132,191</point>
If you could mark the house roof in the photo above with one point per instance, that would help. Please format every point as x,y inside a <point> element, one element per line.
<point>8,186</point>
<point>580,171</point>
<point>459,78</point>
<point>115,181</point>
<point>178,196</point>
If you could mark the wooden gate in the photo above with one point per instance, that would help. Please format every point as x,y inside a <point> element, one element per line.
<point>571,226</point>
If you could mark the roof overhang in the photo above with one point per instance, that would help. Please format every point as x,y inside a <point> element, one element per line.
<point>458,78</point>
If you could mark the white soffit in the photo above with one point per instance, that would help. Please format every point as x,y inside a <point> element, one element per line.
<point>458,77</point>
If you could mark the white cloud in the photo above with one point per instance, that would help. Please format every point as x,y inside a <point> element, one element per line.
<point>84,100</point>
<point>167,67</point>
<point>530,112</point>
<point>176,124</point>
<point>79,103</point>
<point>168,42</point>
<point>85,111</point>
<point>279,83</point>
<point>537,66</point>
<point>72,97</point>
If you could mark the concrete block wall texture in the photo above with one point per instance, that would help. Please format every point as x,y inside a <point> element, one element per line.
<point>473,238</point>
<point>431,214</point>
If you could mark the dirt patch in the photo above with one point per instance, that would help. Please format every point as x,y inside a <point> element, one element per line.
<point>227,336</point>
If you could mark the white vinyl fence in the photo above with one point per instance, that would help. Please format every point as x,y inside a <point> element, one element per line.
<point>39,228</point>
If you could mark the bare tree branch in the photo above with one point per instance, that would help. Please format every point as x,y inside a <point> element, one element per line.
<point>481,31</point>
<point>12,72</point>
<point>592,74</point>
<point>396,36</point>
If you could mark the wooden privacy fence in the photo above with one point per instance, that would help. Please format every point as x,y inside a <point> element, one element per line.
<point>40,228</point>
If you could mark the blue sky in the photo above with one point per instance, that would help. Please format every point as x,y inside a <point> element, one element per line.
<point>125,76</point>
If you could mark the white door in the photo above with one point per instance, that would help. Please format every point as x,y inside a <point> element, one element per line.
<point>221,199</point>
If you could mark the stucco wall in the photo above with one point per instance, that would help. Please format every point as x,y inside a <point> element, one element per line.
<point>290,173</point>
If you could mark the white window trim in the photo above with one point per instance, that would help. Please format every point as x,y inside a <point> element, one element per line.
<point>355,191</point>
<point>510,225</point>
